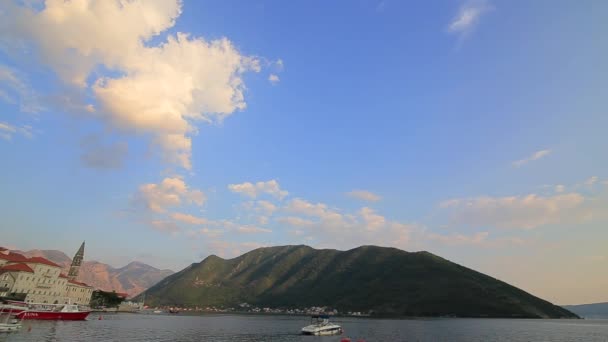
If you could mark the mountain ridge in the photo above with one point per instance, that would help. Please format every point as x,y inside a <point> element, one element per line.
<point>591,310</point>
<point>132,279</point>
<point>368,278</point>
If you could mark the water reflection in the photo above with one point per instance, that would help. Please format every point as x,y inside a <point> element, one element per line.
<point>234,328</point>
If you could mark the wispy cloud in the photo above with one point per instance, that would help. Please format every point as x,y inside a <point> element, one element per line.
<point>467,18</point>
<point>364,195</point>
<point>14,90</point>
<point>518,212</point>
<point>7,131</point>
<point>535,156</point>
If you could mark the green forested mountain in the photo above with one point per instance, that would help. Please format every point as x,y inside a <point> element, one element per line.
<point>388,281</point>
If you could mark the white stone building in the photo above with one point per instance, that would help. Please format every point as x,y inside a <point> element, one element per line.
<point>40,280</point>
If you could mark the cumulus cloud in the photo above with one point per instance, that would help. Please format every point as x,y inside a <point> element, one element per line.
<point>160,89</point>
<point>274,79</point>
<point>468,17</point>
<point>254,190</point>
<point>320,223</point>
<point>535,156</point>
<point>372,220</point>
<point>525,212</point>
<point>171,192</point>
<point>364,195</point>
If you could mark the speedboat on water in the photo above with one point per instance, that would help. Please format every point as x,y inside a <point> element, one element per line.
<point>320,326</point>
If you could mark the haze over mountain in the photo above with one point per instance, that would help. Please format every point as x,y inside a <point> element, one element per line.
<point>131,279</point>
<point>384,280</point>
<point>594,310</point>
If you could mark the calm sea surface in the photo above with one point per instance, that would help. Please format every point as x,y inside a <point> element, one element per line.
<point>236,328</point>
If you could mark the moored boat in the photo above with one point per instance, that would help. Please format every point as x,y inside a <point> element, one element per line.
<point>56,312</point>
<point>12,306</point>
<point>9,321</point>
<point>321,327</point>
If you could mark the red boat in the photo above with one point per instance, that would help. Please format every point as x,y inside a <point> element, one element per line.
<point>12,306</point>
<point>54,312</point>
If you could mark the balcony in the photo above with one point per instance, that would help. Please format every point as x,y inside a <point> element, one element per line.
<point>45,286</point>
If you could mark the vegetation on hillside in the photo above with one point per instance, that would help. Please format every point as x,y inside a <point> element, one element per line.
<point>386,281</point>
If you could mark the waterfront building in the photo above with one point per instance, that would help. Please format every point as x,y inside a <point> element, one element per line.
<point>39,280</point>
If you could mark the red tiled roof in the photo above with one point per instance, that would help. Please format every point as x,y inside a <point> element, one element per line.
<point>41,260</point>
<point>61,275</point>
<point>14,257</point>
<point>121,294</point>
<point>78,283</point>
<point>16,267</point>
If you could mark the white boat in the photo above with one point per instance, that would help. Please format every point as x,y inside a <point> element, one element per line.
<point>320,326</point>
<point>9,321</point>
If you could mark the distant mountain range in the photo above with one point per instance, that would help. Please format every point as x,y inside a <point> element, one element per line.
<point>132,279</point>
<point>387,281</point>
<point>596,310</point>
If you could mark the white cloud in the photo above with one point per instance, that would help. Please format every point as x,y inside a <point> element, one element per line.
<point>460,239</point>
<point>263,220</point>
<point>468,16</point>
<point>300,206</point>
<point>295,221</point>
<point>372,220</point>
<point>591,181</point>
<point>165,226</point>
<point>252,229</point>
<point>14,90</point>
<point>364,195</point>
<point>7,131</point>
<point>171,192</point>
<point>241,228</point>
<point>252,190</point>
<point>229,249</point>
<point>525,212</point>
<point>535,156</point>
<point>336,230</point>
<point>274,79</point>
<point>264,207</point>
<point>154,89</point>
<point>189,219</point>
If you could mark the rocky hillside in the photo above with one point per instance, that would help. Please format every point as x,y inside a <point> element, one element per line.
<point>131,279</point>
<point>387,281</point>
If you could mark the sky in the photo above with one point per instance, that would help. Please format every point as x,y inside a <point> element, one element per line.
<point>166,131</point>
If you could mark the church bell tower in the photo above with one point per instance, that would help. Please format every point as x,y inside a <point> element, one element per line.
<point>76,262</point>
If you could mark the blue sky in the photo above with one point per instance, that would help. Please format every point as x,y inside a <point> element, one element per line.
<point>166,131</point>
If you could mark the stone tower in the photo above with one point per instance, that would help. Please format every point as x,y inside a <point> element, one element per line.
<point>76,262</point>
